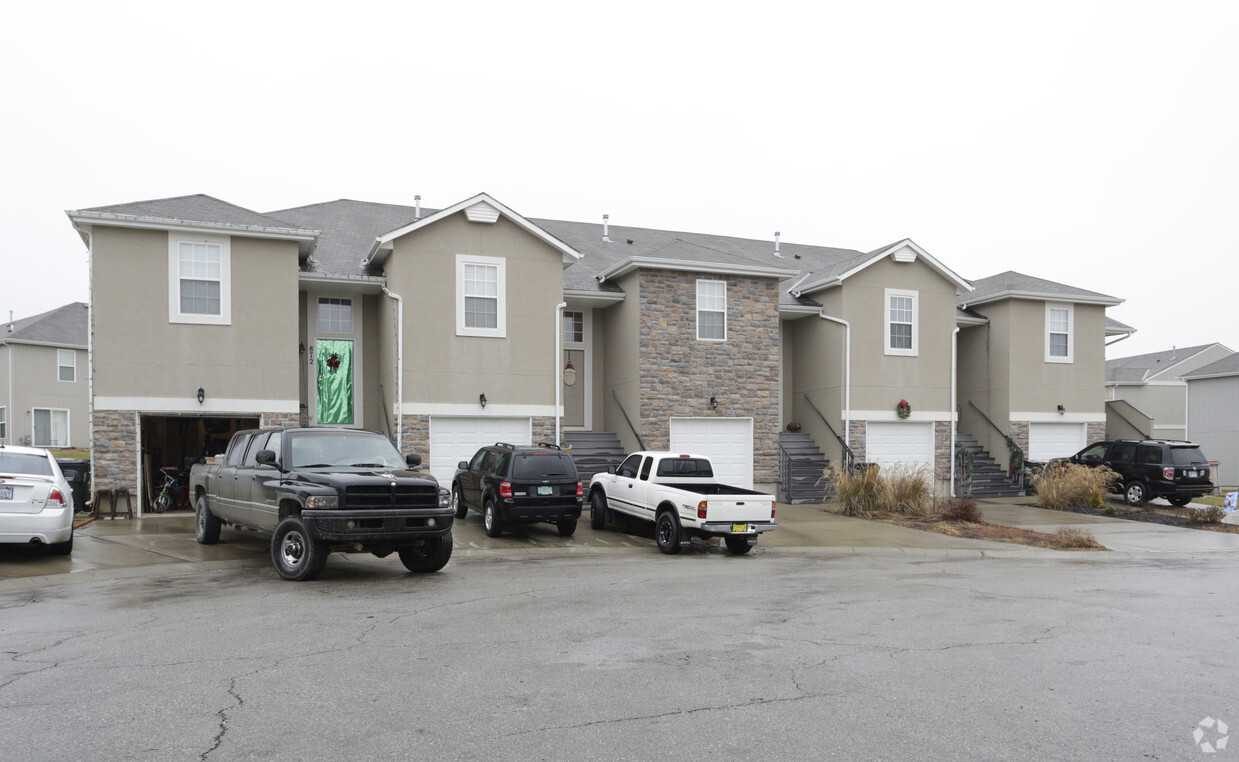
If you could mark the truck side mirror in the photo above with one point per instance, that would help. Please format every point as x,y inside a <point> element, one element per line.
<point>265,457</point>
<point>611,470</point>
<point>463,465</point>
<point>413,459</point>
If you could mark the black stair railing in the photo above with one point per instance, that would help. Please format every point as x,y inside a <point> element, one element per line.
<point>627,420</point>
<point>849,459</point>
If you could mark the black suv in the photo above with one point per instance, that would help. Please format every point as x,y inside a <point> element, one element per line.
<point>512,484</point>
<point>1177,471</point>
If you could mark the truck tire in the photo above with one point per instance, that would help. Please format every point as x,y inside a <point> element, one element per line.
<point>737,544</point>
<point>598,510</point>
<point>428,555</point>
<point>458,502</point>
<point>490,517</point>
<point>298,556</point>
<point>667,532</point>
<point>566,527</point>
<point>206,525</point>
<point>1136,494</point>
<point>1179,501</point>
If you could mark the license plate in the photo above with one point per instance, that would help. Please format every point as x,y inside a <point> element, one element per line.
<point>1192,474</point>
<point>545,490</point>
<point>6,493</point>
<point>739,527</point>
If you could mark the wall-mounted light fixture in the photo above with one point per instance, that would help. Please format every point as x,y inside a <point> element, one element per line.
<point>1061,409</point>
<point>713,402</point>
<point>482,399</point>
<point>201,395</point>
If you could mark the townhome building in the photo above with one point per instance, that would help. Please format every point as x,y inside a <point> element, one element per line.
<point>1146,394</point>
<point>454,327</point>
<point>44,379</point>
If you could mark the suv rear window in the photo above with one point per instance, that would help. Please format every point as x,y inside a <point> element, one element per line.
<point>1187,456</point>
<point>542,465</point>
<point>685,467</point>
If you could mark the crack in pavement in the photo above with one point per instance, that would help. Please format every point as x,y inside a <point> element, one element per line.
<point>237,703</point>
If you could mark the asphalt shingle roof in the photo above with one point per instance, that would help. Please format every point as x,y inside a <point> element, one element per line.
<point>196,208</point>
<point>995,286</point>
<point>66,326</point>
<point>1137,368</point>
<point>347,229</point>
<point>1225,366</point>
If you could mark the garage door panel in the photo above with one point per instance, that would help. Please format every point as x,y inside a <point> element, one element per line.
<point>907,445</point>
<point>1055,440</point>
<point>728,442</point>
<point>457,438</point>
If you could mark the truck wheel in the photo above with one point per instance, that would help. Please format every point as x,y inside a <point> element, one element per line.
<point>737,544</point>
<point>206,525</point>
<point>1136,493</point>
<point>297,555</point>
<point>667,532</point>
<point>458,502</point>
<point>1179,501</point>
<point>566,527</point>
<point>428,555</point>
<point>598,510</point>
<point>494,527</point>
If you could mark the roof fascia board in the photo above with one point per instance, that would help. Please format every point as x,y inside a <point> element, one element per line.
<point>383,242</point>
<point>1223,374</point>
<point>599,298</point>
<point>969,320</point>
<point>175,225</point>
<point>1043,297</point>
<point>625,266</point>
<point>368,284</point>
<point>32,343</point>
<point>934,264</point>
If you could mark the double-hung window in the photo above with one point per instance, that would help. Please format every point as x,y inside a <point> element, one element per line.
<point>199,279</point>
<point>335,315</point>
<point>1058,344</point>
<point>481,299</point>
<point>4,424</point>
<point>51,427</point>
<point>66,365</point>
<point>901,322</point>
<point>712,310</point>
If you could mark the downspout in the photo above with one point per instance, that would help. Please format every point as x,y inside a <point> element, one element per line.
<point>847,374</point>
<point>90,368</point>
<point>1124,336</point>
<point>954,401</point>
<point>559,367</point>
<point>399,367</point>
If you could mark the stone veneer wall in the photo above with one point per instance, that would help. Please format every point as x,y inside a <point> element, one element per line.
<point>416,434</point>
<point>678,374</point>
<point>1096,433</point>
<point>857,439</point>
<point>1018,431</point>
<point>944,459</point>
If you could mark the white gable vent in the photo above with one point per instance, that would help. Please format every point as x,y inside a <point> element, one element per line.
<point>482,212</point>
<point>904,254</point>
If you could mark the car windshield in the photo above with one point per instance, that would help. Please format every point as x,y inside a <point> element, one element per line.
<point>336,450</point>
<point>542,465</point>
<point>25,463</point>
<point>1187,456</point>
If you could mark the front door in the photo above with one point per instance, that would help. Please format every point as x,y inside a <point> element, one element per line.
<point>574,387</point>
<point>335,382</point>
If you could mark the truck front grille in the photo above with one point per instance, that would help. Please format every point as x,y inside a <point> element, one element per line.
<point>385,496</point>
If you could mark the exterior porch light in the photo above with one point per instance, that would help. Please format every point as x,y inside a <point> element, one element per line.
<point>201,395</point>
<point>1061,410</point>
<point>713,402</point>
<point>482,399</point>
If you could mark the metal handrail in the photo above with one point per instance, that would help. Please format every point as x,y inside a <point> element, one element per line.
<point>624,413</point>
<point>1012,447</point>
<point>848,456</point>
<point>383,404</point>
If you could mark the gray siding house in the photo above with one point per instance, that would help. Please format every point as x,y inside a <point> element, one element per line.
<point>1147,395</point>
<point>1213,416</point>
<point>45,379</point>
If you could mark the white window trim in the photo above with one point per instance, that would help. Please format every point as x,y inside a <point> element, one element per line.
<point>1071,323</point>
<point>72,364</point>
<point>700,310</point>
<point>886,323</point>
<point>500,330</point>
<point>225,280</point>
<point>68,426</point>
<point>4,423</point>
<point>354,310</point>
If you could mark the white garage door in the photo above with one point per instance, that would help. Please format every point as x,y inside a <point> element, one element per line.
<point>903,444</point>
<point>1055,440</point>
<point>728,442</point>
<point>453,439</point>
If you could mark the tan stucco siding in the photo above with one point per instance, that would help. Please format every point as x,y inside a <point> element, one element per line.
<point>139,353</point>
<point>1040,386</point>
<point>443,368</point>
<point>621,363</point>
<point>1165,403</point>
<point>818,359</point>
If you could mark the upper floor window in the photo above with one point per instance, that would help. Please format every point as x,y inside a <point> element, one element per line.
<point>574,327</point>
<point>4,424</point>
<point>51,427</point>
<point>335,315</point>
<point>1058,344</point>
<point>480,296</point>
<point>901,322</point>
<point>712,310</point>
<point>199,280</point>
<point>66,361</point>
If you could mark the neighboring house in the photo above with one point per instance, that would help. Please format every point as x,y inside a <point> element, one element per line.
<point>1033,371</point>
<point>45,379</point>
<point>1146,395</point>
<point>449,329</point>
<point>1213,416</point>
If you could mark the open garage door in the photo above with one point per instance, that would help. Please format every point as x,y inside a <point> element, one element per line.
<point>728,442</point>
<point>1055,440</point>
<point>457,438</point>
<point>172,443</point>
<point>908,445</point>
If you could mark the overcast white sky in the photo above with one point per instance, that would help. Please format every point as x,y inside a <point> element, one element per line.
<point>1090,143</point>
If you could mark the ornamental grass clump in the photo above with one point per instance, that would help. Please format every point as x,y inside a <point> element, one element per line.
<point>1068,485</point>
<point>861,492</point>
<point>911,492</point>
<point>1212,514</point>
<point>959,509</point>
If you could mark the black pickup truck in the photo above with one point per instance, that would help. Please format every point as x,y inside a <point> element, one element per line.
<point>318,490</point>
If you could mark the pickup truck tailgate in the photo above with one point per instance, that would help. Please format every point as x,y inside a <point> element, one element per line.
<point>727,508</point>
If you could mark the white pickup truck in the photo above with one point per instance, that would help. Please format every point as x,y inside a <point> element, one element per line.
<point>679,495</point>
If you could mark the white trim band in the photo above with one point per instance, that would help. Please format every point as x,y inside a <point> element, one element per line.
<point>191,405</point>
<point>890,415</point>
<point>1059,417</point>
<point>474,410</point>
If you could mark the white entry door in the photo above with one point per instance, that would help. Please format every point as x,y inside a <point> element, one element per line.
<point>905,444</point>
<point>457,438</point>
<point>1055,440</point>
<point>728,442</point>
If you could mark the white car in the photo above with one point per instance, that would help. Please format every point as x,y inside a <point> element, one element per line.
<point>36,503</point>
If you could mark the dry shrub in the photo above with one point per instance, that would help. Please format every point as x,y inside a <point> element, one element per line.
<point>1212,514</point>
<point>868,491</point>
<point>1068,485</point>
<point>1074,539</point>
<point>959,509</point>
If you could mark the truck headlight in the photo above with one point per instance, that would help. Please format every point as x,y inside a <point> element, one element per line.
<point>322,501</point>
<point>445,498</point>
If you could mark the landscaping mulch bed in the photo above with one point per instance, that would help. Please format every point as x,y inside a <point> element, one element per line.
<point>1156,518</point>
<point>1063,540</point>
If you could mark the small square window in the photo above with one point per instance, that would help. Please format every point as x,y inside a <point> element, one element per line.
<point>335,315</point>
<point>66,360</point>
<point>574,327</point>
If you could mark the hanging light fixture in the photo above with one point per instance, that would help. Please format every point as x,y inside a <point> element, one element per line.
<point>482,399</point>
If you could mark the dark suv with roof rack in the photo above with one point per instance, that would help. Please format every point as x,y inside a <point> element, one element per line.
<point>1149,468</point>
<point>518,484</point>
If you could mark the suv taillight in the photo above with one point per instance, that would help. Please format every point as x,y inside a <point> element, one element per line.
<point>57,497</point>
<point>580,489</point>
<point>505,489</point>
<point>1168,472</point>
